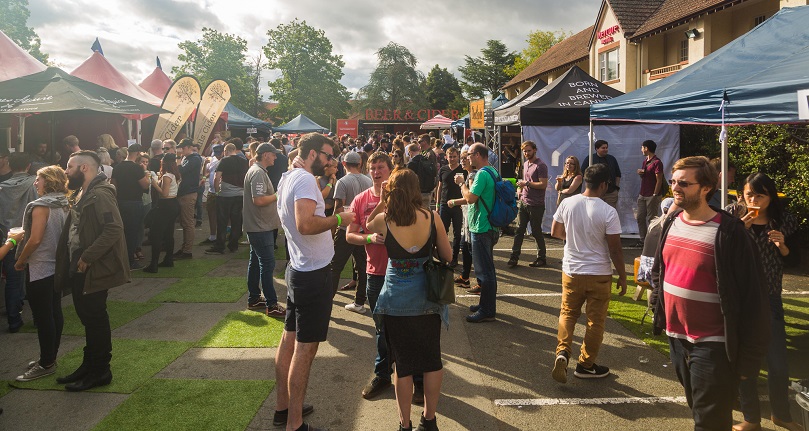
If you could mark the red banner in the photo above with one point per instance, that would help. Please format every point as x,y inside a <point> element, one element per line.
<point>347,126</point>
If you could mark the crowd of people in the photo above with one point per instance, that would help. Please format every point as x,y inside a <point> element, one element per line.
<point>386,203</point>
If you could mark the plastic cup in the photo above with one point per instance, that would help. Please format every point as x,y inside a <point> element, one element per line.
<point>16,230</point>
<point>754,211</point>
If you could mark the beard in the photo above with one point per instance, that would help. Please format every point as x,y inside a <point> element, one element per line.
<point>688,203</point>
<point>318,169</point>
<point>75,181</point>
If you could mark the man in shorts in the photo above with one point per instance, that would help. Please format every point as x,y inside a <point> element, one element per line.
<point>308,277</point>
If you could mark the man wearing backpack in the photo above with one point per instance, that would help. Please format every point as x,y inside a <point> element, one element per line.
<point>425,165</point>
<point>484,235</point>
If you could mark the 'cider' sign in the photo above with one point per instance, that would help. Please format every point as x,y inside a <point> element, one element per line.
<point>607,35</point>
<point>409,115</point>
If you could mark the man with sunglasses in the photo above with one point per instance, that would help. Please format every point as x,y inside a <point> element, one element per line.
<point>709,297</point>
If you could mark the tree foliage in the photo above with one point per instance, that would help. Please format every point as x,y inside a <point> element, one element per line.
<point>538,42</point>
<point>487,73</point>
<point>310,73</point>
<point>441,88</point>
<point>218,56</point>
<point>395,83</point>
<point>14,16</point>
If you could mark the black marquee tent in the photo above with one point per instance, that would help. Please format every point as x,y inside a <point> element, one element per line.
<point>508,114</point>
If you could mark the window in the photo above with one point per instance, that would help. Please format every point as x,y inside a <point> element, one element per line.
<point>684,50</point>
<point>759,19</point>
<point>609,65</point>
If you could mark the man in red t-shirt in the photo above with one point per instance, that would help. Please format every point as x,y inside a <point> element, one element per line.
<point>651,188</point>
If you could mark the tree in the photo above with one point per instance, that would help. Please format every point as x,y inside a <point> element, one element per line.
<point>487,73</point>
<point>538,42</point>
<point>14,16</point>
<point>441,88</point>
<point>395,83</point>
<point>218,56</point>
<point>310,73</point>
<point>255,67</point>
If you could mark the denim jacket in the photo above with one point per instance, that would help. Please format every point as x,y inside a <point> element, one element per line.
<point>405,291</point>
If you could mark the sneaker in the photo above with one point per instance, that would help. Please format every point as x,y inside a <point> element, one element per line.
<point>207,241</point>
<point>36,372</point>
<point>418,393</point>
<point>479,317</point>
<point>183,256</point>
<point>560,367</point>
<point>357,308</point>
<point>475,290</point>
<point>453,263</point>
<point>258,304</point>
<point>152,269</point>
<point>512,262</point>
<point>280,417</point>
<point>214,251</point>
<point>165,264</point>
<point>350,286</point>
<point>463,282</point>
<point>540,262</point>
<point>136,266</point>
<point>474,308</point>
<point>594,372</point>
<point>233,249</point>
<point>374,387</point>
<point>276,311</point>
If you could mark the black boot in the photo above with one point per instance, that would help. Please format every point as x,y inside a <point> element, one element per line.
<point>408,428</point>
<point>91,380</point>
<point>77,375</point>
<point>426,425</point>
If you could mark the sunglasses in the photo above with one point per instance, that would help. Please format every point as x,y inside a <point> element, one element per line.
<point>166,148</point>
<point>682,184</point>
<point>329,157</point>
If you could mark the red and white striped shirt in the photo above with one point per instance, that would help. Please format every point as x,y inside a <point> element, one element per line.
<point>690,291</point>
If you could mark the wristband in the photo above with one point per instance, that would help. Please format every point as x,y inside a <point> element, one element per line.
<point>12,241</point>
<point>368,239</point>
<point>328,184</point>
<point>450,204</point>
<point>339,219</point>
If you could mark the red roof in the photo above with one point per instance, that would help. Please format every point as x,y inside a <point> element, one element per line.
<point>157,83</point>
<point>16,62</point>
<point>98,70</point>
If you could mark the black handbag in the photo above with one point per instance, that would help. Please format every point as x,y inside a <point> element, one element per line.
<point>440,277</point>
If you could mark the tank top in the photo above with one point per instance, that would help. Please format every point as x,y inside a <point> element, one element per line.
<point>396,251</point>
<point>42,262</point>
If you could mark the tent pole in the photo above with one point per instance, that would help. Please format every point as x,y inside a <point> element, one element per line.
<point>22,134</point>
<point>590,149</point>
<point>724,176</point>
<point>128,131</point>
<point>137,131</point>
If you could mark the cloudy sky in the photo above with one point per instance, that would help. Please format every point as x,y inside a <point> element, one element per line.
<point>133,33</point>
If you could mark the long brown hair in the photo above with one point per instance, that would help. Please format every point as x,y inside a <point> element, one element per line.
<point>576,171</point>
<point>403,198</point>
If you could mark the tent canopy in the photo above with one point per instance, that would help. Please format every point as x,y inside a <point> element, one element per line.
<point>98,70</point>
<point>437,122</point>
<point>300,124</point>
<point>566,101</point>
<point>508,114</point>
<point>16,62</point>
<point>758,74</point>
<point>462,122</point>
<point>238,119</point>
<point>54,90</point>
<point>499,101</point>
<point>157,83</point>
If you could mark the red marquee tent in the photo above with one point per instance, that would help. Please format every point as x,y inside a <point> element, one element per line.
<point>157,83</point>
<point>437,122</point>
<point>16,62</point>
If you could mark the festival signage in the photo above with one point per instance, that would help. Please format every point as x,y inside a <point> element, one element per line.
<point>476,108</point>
<point>348,127</point>
<point>608,34</point>
<point>409,114</point>
<point>181,99</point>
<point>213,102</point>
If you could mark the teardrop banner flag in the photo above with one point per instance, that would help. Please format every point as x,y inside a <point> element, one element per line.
<point>213,102</point>
<point>181,100</point>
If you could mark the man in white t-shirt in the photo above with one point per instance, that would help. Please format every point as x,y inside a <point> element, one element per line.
<point>308,276</point>
<point>591,230</point>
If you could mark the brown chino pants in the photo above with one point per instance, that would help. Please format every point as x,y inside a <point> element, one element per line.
<point>187,221</point>
<point>578,290</point>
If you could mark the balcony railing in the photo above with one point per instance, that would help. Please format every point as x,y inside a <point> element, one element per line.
<point>662,72</point>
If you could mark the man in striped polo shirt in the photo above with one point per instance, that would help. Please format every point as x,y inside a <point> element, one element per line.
<point>713,305</point>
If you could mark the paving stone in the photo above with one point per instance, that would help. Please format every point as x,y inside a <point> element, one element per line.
<point>25,409</point>
<point>140,289</point>
<point>176,322</point>
<point>223,364</point>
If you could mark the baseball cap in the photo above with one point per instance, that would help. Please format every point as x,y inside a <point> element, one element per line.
<point>218,148</point>
<point>666,204</point>
<point>266,148</point>
<point>352,157</point>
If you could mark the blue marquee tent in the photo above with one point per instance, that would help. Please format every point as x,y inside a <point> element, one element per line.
<point>300,124</point>
<point>758,75</point>
<point>238,119</point>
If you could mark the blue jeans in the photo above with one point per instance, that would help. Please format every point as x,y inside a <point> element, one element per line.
<point>483,259</point>
<point>381,363</point>
<point>132,217</point>
<point>261,267</point>
<point>710,385</point>
<point>15,290</point>
<point>777,372</point>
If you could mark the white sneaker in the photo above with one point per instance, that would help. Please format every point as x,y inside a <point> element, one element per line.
<point>359,309</point>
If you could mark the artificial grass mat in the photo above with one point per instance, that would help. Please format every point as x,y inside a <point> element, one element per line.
<point>244,329</point>
<point>205,289</point>
<point>134,362</point>
<point>4,389</point>
<point>190,404</point>
<point>189,268</point>
<point>120,314</point>
<point>628,313</point>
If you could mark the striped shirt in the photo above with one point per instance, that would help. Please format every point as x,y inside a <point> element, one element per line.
<point>690,292</point>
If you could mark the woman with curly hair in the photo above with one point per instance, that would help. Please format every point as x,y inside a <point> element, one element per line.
<point>412,323</point>
<point>43,221</point>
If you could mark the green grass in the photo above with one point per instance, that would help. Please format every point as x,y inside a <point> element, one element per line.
<point>628,313</point>
<point>207,289</point>
<point>189,405</point>
<point>4,389</point>
<point>190,268</point>
<point>120,314</point>
<point>244,329</point>
<point>134,362</point>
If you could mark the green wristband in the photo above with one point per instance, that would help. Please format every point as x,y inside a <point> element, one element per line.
<point>12,241</point>
<point>339,219</point>
<point>368,239</point>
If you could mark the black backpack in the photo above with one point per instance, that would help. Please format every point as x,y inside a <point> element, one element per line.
<point>426,171</point>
